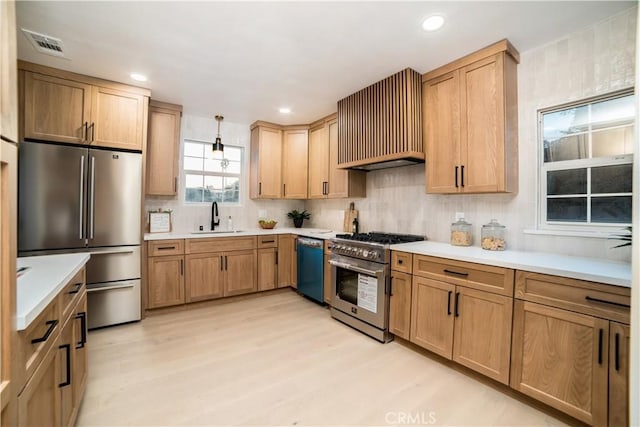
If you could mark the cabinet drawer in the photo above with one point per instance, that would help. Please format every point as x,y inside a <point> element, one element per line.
<point>166,247</point>
<point>71,292</point>
<point>268,241</point>
<point>488,278</point>
<point>220,244</point>
<point>402,261</point>
<point>36,340</point>
<point>595,299</point>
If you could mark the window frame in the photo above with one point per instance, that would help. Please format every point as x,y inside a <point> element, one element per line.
<point>185,171</point>
<point>567,226</point>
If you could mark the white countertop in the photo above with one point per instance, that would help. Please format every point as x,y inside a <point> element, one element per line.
<point>318,233</point>
<point>41,283</point>
<point>595,270</point>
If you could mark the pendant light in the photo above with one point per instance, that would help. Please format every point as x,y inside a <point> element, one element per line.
<point>218,147</point>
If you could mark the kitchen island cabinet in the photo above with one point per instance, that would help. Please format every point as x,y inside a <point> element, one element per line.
<point>163,149</point>
<point>68,107</point>
<point>470,123</point>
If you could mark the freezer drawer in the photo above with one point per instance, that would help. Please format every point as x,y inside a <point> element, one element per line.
<point>113,303</point>
<point>113,264</point>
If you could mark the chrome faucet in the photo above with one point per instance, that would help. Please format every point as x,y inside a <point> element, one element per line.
<point>215,217</point>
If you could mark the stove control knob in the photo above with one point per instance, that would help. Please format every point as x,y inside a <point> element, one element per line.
<point>366,253</point>
<point>374,255</point>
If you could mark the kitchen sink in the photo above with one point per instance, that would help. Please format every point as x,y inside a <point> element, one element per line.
<point>216,231</point>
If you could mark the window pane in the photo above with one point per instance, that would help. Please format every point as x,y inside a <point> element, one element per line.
<point>191,163</point>
<point>572,181</point>
<point>566,148</point>
<point>233,153</point>
<point>561,123</point>
<point>611,179</point>
<point>613,112</point>
<point>234,167</point>
<point>611,209</point>
<point>211,165</point>
<point>213,182</point>
<point>613,142</point>
<point>193,149</point>
<point>193,188</point>
<point>567,209</point>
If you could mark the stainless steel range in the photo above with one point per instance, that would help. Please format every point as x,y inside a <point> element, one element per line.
<point>360,280</point>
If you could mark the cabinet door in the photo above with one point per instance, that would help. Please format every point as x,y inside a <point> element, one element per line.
<point>80,353</point>
<point>241,272</point>
<point>266,163</point>
<point>619,335</point>
<point>204,276</point>
<point>65,359</point>
<point>8,72</point>
<point>56,109</point>
<point>319,164</point>
<point>165,281</point>
<point>482,334</point>
<point>482,125</point>
<point>400,305</point>
<point>39,401</point>
<point>295,145</point>
<point>432,315</point>
<point>162,151</point>
<point>286,260</point>
<point>441,132</point>
<point>117,119</point>
<point>267,269</point>
<point>560,358</point>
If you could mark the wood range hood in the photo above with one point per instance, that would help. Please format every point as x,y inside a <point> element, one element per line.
<point>380,126</point>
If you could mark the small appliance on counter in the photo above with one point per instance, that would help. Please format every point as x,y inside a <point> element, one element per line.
<point>361,280</point>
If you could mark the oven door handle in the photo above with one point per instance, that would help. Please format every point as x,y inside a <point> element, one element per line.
<point>354,268</point>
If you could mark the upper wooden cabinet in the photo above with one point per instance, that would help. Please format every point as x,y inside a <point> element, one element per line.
<point>8,72</point>
<point>326,180</point>
<point>266,161</point>
<point>163,149</point>
<point>295,158</point>
<point>470,123</point>
<point>67,107</point>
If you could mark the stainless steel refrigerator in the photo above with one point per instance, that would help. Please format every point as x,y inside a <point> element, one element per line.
<point>77,199</point>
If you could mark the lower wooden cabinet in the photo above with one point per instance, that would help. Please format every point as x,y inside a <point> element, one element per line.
<point>39,401</point>
<point>66,346</point>
<point>240,272</point>
<point>619,335</point>
<point>287,265</point>
<point>267,269</point>
<point>400,305</point>
<point>468,326</point>
<point>80,353</point>
<point>165,275</point>
<point>204,277</point>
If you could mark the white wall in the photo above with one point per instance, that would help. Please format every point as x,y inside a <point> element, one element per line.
<point>597,60</point>
<point>186,217</point>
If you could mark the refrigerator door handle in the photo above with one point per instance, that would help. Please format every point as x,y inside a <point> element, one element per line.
<point>92,202</point>
<point>81,219</point>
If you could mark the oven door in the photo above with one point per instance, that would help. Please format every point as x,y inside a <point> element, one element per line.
<point>359,289</point>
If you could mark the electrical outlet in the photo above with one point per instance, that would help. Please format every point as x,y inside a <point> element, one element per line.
<point>459,215</point>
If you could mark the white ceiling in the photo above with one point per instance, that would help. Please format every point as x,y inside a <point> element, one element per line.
<point>246,59</point>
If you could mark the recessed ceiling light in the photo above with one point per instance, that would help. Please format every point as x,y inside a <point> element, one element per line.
<point>433,22</point>
<point>138,77</point>
<point>285,110</point>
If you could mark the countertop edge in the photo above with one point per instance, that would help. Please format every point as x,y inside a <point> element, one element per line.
<point>24,320</point>
<point>318,233</point>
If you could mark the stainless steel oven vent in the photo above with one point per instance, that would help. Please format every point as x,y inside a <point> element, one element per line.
<point>45,44</point>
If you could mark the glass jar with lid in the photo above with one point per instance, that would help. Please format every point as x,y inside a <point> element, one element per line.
<point>492,236</point>
<point>461,233</point>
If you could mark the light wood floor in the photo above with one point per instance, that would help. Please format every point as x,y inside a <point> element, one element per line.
<point>277,359</point>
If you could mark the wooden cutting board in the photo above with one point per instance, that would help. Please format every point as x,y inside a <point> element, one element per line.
<point>349,215</point>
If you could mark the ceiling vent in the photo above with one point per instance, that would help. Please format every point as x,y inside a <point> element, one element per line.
<point>45,44</point>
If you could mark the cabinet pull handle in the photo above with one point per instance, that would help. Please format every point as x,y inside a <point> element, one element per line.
<point>182,267</point>
<point>259,189</point>
<point>166,248</point>
<point>226,263</point>
<point>52,325</point>
<point>399,261</point>
<point>462,176</point>
<point>221,263</point>
<point>449,303</point>
<point>86,131</point>
<point>67,381</point>
<point>457,273</point>
<point>83,329</point>
<point>391,286</point>
<point>284,189</point>
<point>175,184</point>
<point>600,345</point>
<point>617,304</point>
<point>456,176</point>
<point>457,313</point>
<point>268,241</point>
<point>617,358</point>
<point>276,257</point>
<point>77,288</point>
<point>93,132</point>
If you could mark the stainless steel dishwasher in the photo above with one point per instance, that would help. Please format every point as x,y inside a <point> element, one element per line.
<point>311,268</point>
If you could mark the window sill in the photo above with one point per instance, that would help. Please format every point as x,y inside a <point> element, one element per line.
<point>574,233</point>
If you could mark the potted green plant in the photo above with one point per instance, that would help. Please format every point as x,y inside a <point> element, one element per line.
<point>298,217</point>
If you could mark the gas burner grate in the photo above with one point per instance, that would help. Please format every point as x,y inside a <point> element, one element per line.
<point>383,238</point>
